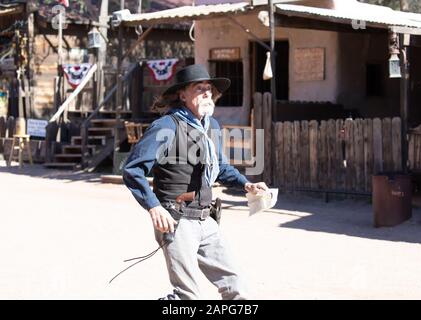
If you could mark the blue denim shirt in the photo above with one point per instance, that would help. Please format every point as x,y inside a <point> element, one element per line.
<point>144,156</point>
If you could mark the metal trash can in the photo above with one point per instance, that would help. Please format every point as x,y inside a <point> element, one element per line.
<point>392,198</point>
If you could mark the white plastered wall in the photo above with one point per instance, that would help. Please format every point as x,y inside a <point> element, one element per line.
<point>223,33</point>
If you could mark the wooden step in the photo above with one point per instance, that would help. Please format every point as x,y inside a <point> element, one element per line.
<point>61,165</point>
<point>68,157</point>
<point>86,89</point>
<point>118,179</point>
<point>92,140</point>
<point>79,113</point>
<point>114,112</point>
<point>71,149</point>
<point>103,123</point>
<point>115,179</point>
<point>108,132</point>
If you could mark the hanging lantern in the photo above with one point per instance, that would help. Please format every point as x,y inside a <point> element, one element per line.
<point>394,66</point>
<point>94,39</point>
<point>394,62</point>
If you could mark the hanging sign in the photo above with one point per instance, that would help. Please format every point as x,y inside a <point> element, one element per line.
<point>162,70</point>
<point>36,128</point>
<point>309,64</point>
<point>225,54</point>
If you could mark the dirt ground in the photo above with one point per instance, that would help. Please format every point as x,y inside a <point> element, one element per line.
<point>64,235</point>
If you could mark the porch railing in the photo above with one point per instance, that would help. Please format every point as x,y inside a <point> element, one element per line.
<point>86,124</point>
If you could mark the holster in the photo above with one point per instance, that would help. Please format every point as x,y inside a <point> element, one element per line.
<point>216,210</point>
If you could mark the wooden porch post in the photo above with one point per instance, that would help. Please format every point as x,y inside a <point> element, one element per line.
<point>404,96</point>
<point>272,58</point>
<point>102,51</point>
<point>272,108</point>
<point>119,95</point>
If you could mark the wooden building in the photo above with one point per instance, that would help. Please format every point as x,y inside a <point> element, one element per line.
<point>335,116</point>
<point>48,87</point>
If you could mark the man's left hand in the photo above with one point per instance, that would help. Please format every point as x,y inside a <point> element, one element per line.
<point>255,188</point>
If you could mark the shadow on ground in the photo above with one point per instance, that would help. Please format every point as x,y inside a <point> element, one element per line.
<point>38,171</point>
<point>350,217</point>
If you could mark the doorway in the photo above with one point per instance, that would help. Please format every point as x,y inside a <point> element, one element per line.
<point>258,60</point>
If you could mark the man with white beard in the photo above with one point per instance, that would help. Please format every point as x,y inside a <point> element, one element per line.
<point>185,162</point>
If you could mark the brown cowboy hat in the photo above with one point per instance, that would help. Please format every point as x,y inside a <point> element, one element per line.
<point>196,73</point>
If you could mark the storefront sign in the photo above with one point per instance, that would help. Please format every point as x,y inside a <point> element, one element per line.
<point>309,64</point>
<point>36,127</point>
<point>225,54</point>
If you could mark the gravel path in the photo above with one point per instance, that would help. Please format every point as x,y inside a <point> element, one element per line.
<point>64,235</point>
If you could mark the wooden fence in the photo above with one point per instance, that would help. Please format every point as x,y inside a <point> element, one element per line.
<point>335,154</point>
<point>414,150</point>
<point>7,127</point>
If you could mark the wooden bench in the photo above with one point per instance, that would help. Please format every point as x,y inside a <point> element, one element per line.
<point>134,131</point>
<point>19,144</point>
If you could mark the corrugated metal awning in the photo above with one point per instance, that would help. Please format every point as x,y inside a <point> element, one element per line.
<point>11,10</point>
<point>185,13</point>
<point>373,15</point>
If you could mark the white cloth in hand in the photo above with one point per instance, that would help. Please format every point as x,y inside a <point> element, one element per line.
<point>262,201</point>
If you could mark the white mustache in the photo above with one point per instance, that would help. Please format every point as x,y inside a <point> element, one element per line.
<point>207,103</point>
<point>206,107</point>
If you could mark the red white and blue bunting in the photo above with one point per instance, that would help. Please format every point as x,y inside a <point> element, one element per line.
<point>162,70</point>
<point>76,72</point>
<point>64,2</point>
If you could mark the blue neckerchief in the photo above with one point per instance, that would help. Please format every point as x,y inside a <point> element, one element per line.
<point>212,164</point>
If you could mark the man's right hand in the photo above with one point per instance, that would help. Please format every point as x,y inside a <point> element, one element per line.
<point>162,219</point>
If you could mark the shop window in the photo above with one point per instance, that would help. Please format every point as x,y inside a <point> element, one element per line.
<point>232,70</point>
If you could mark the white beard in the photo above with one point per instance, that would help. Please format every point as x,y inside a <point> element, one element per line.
<point>206,108</point>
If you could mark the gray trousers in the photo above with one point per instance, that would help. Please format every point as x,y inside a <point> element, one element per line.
<point>198,246</point>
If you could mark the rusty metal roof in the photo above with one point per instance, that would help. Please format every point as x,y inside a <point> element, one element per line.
<point>186,13</point>
<point>373,15</point>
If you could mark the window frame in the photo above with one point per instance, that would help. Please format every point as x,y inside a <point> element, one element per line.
<point>239,94</point>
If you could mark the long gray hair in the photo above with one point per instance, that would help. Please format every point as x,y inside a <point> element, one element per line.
<point>166,102</point>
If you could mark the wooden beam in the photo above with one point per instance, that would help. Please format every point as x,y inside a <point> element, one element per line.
<point>406,30</point>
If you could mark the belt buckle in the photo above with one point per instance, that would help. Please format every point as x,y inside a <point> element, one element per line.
<point>202,214</point>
